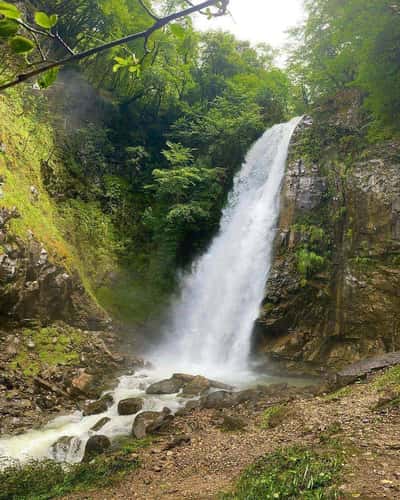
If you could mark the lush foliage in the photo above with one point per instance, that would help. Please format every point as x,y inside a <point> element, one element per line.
<point>354,43</point>
<point>291,473</point>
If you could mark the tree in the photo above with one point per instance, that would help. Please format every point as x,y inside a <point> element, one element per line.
<point>44,26</point>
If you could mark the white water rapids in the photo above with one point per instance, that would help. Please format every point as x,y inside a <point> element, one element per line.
<point>210,325</point>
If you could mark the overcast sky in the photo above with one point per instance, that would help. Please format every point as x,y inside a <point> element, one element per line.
<point>258,20</point>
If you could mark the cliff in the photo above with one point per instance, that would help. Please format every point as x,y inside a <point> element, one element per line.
<point>333,295</point>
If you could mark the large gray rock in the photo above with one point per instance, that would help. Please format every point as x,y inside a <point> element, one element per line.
<point>169,386</point>
<point>219,399</point>
<point>100,424</point>
<point>130,406</point>
<point>96,445</point>
<point>96,407</point>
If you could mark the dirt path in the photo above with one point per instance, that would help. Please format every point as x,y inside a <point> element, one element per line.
<point>214,459</point>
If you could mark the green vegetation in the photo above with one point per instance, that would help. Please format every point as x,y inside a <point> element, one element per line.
<point>47,347</point>
<point>42,480</point>
<point>354,46</point>
<point>308,263</point>
<point>291,473</point>
<point>389,380</point>
<point>273,416</point>
<point>340,393</point>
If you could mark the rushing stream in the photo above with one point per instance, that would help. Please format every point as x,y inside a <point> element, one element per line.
<point>210,324</point>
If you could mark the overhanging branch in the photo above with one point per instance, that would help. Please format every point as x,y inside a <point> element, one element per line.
<point>220,5</point>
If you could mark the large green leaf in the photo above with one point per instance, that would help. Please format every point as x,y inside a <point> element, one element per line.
<point>8,28</point>
<point>21,45</point>
<point>48,78</point>
<point>45,21</point>
<point>178,31</point>
<point>9,10</point>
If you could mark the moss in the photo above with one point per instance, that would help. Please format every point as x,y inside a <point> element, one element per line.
<point>51,346</point>
<point>290,473</point>
<point>274,416</point>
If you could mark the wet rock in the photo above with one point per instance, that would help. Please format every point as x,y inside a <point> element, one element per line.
<point>64,447</point>
<point>150,422</point>
<point>197,386</point>
<point>100,424</point>
<point>96,445</point>
<point>169,386</point>
<point>130,406</point>
<point>96,407</point>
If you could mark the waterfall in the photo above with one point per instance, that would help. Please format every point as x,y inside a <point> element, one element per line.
<point>210,324</point>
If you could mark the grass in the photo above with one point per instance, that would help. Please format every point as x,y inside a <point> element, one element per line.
<point>290,473</point>
<point>339,394</point>
<point>389,380</point>
<point>273,416</point>
<point>42,480</point>
<point>55,345</point>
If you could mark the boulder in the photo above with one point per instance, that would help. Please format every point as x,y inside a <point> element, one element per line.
<point>96,445</point>
<point>96,407</point>
<point>168,386</point>
<point>219,399</point>
<point>100,424</point>
<point>130,406</point>
<point>149,422</point>
<point>82,384</point>
<point>197,386</point>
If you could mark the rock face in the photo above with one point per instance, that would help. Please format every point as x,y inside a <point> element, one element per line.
<point>190,385</point>
<point>333,295</point>
<point>33,285</point>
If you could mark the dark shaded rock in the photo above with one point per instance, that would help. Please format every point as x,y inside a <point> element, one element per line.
<point>100,424</point>
<point>96,445</point>
<point>130,406</point>
<point>169,386</point>
<point>150,422</point>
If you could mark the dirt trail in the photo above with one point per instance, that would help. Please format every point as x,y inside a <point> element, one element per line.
<point>214,459</point>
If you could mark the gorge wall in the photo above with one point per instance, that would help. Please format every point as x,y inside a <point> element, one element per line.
<point>333,295</point>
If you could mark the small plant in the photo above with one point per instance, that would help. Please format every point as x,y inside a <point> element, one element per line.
<point>389,380</point>
<point>273,416</point>
<point>291,473</point>
<point>308,262</point>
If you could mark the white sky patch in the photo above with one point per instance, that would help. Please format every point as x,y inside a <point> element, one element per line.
<point>258,20</point>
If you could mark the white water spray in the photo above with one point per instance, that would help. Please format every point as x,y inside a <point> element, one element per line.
<point>211,323</point>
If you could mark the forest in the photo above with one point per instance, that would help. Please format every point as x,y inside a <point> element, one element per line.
<point>123,131</point>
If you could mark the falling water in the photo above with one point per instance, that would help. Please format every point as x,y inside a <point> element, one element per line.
<point>209,331</point>
<point>210,324</point>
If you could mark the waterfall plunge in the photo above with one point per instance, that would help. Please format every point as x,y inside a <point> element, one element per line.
<point>210,324</point>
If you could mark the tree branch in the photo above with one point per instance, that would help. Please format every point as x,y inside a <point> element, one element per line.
<point>148,11</point>
<point>221,5</point>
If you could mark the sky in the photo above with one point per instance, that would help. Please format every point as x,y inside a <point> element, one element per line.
<point>258,20</point>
